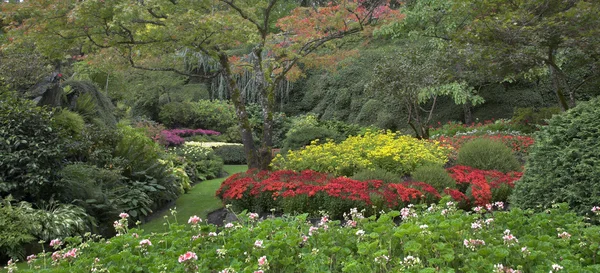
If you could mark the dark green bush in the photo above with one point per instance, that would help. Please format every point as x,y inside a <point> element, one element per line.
<point>377,174</point>
<point>564,162</point>
<point>434,175</point>
<point>231,154</point>
<point>203,114</point>
<point>304,135</point>
<point>70,123</point>
<point>486,154</point>
<point>528,119</point>
<point>31,149</point>
<point>16,229</point>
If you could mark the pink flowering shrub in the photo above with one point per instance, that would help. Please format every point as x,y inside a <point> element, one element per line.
<point>174,137</point>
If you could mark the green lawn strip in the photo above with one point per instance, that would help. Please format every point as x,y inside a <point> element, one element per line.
<point>199,201</point>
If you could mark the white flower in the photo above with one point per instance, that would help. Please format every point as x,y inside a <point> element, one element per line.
<point>360,232</point>
<point>258,244</point>
<point>228,225</point>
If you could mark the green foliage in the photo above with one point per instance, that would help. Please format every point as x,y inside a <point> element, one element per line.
<point>377,174</point>
<point>231,154</point>
<point>200,163</point>
<point>205,114</point>
<point>54,220</point>
<point>433,241</point>
<point>85,98</point>
<point>486,154</point>
<point>303,136</point>
<point>16,229</point>
<point>563,165</point>
<point>30,148</point>
<point>70,123</point>
<point>530,118</point>
<point>434,175</point>
<point>151,177</point>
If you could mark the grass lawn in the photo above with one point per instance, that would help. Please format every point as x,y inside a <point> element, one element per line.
<point>199,201</point>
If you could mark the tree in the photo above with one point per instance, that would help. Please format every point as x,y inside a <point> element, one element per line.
<point>168,35</point>
<point>531,38</point>
<point>416,77</point>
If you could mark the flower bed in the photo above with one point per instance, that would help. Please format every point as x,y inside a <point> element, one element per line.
<point>310,192</point>
<point>389,151</point>
<point>439,238</point>
<point>175,137</point>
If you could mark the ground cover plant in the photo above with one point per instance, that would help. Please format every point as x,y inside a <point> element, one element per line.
<point>311,192</point>
<point>389,151</point>
<point>436,238</point>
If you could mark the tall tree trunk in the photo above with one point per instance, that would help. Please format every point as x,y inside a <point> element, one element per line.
<point>557,80</point>
<point>242,114</point>
<point>467,112</point>
<point>266,86</point>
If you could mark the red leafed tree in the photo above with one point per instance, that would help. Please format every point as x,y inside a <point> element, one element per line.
<point>165,35</point>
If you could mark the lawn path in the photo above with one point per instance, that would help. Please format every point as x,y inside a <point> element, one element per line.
<point>199,201</point>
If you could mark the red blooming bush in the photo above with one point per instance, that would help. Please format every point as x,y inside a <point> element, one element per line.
<point>484,186</point>
<point>310,192</point>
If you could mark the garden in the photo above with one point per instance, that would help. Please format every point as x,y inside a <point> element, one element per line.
<point>299,136</point>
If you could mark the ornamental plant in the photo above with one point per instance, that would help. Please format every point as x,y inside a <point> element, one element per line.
<point>564,162</point>
<point>436,238</point>
<point>311,192</point>
<point>389,151</point>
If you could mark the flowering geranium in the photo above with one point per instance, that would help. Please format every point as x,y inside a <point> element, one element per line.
<point>145,243</point>
<point>194,220</point>
<point>123,215</point>
<point>187,257</point>
<point>71,254</point>
<point>509,239</point>
<point>473,243</point>
<point>258,243</point>
<point>56,243</point>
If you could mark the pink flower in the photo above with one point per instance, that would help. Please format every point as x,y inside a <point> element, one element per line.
<point>311,230</point>
<point>596,210</point>
<point>351,223</point>
<point>145,242</point>
<point>31,258</point>
<point>56,256</point>
<point>71,254</point>
<point>304,238</point>
<point>509,239</point>
<point>253,216</point>
<point>259,271</point>
<point>228,225</point>
<point>55,243</point>
<point>188,256</point>
<point>123,215</point>
<point>262,261</point>
<point>472,243</point>
<point>564,235</point>
<point>212,234</point>
<point>194,220</point>
<point>258,244</point>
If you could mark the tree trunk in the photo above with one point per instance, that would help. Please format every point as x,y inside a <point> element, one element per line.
<point>467,112</point>
<point>557,82</point>
<point>266,86</point>
<point>240,110</point>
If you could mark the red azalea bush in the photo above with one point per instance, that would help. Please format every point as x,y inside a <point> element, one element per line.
<point>310,192</point>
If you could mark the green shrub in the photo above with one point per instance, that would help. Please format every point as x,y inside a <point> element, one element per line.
<point>303,136</point>
<point>201,163</point>
<point>231,154</point>
<point>434,175</point>
<point>30,148</point>
<point>486,154</point>
<point>528,119</point>
<point>70,123</point>
<point>205,114</point>
<point>564,162</point>
<point>377,174</point>
<point>143,164</point>
<point>16,230</point>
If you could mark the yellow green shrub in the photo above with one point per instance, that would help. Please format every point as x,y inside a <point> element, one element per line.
<point>392,152</point>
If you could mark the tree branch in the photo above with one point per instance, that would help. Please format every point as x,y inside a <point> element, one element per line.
<point>244,15</point>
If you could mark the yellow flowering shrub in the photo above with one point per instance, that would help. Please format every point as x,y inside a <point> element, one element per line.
<point>384,150</point>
